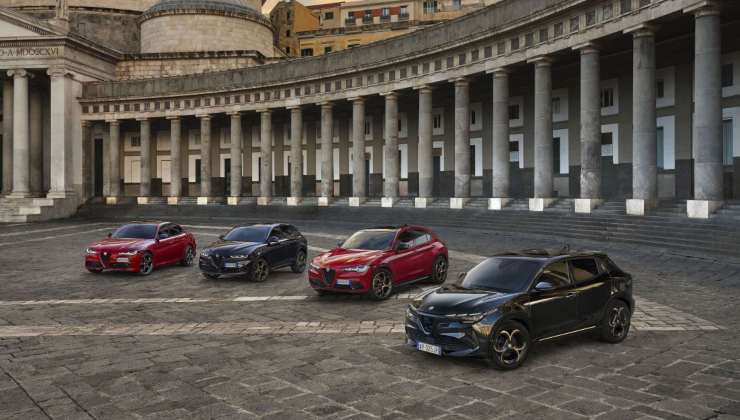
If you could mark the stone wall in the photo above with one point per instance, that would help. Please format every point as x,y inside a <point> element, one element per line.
<point>154,67</point>
<point>193,32</point>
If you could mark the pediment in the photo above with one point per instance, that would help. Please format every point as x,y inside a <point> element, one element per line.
<point>14,24</point>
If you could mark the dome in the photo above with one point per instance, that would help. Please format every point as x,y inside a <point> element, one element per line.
<point>223,6</point>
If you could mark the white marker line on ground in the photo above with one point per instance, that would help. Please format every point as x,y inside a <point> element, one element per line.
<point>46,238</point>
<point>30,232</point>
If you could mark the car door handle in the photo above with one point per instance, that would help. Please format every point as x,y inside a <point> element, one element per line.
<point>571,294</point>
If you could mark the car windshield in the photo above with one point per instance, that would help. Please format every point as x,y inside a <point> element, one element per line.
<point>502,274</point>
<point>248,234</point>
<point>374,239</point>
<point>136,232</point>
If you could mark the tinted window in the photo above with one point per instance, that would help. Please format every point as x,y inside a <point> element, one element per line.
<point>248,234</point>
<point>423,239</point>
<point>175,230</point>
<point>410,237</point>
<point>502,274</point>
<point>557,274</point>
<point>278,233</point>
<point>583,269</point>
<point>290,231</point>
<point>609,266</point>
<point>370,239</point>
<point>136,232</point>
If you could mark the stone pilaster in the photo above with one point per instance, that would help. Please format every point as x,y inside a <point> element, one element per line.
<point>175,160</point>
<point>21,157</point>
<point>425,148</point>
<point>644,142</point>
<point>266,157</point>
<point>392,174</point>
<point>590,130</point>
<point>501,171</point>
<point>543,146</point>
<point>205,159</point>
<point>296,156</point>
<point>114,161</point>
<point>358,153</point>
<point>36,145</point>
<point>236,158</point>
<point>145,183</point>
<point>327,154</point>
<point>7,137</point>
<point>707,133</point>
<point>462,144</point>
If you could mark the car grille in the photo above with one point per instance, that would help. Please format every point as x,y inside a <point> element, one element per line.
<point>329,275</point>
<point>105,257</point>
<point>426,323</point>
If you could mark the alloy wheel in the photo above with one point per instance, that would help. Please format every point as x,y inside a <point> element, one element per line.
<point>618,321</point>
<point>260,271</point>
<point>382,285</point>
<point>300,262</point>
<point>440,270</point>
<point>510,346</point>
<point>146,265</point>
<point>189,256</point>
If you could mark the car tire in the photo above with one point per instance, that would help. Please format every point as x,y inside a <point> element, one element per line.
<point>509,345</point>
<point>616,322</point>
<point>210,276</point>
<point>187,257</point>
<point>439,269</point>
<point>299,265</point>
<point>146,264</point>
<point>381,285</point>
<point>322,292</point>
<point>259,270</point>
<point>95,270</point>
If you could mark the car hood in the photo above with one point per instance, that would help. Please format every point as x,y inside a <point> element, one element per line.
<point>340,257</point>
<point>451,300</point>
<point>119,244</point>
<point>226,248</point>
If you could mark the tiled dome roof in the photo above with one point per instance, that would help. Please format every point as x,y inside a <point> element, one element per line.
<point>232,6</point>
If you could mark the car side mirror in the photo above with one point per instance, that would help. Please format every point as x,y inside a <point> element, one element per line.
<point>110,234</point>
<point>221,237</point>
<point>402,246</point>
<point>462,275</point>
<point>543,286</point>
<point>273,240</point>
<point>339,244</point>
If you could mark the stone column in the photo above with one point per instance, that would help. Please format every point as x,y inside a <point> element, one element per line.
<point>21,157</point>
<point>61,103</point>
<point>236,158</point>
<point>501,166</point>
<point>644,142</point>
<point>205,159</point>
<point>266,157</point>
<point>462,144</point>
<point>88,159</point>
<point>707,133</point>
<point>359,195</point>
<point>296,156</point>
<point>327,154</point>
<point>175,160</point>
<point>392,174</point>
<point>114,160</point>
<point>543,150</point>
<point>7,137</point>
<point>145,164</point>
<point>36,144</point>
<point>590,131</point>
<point>425,148</point>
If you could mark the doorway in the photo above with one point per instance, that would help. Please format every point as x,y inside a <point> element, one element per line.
<point>227,175</point>
<point>436,173</point>
<point>98,168</point>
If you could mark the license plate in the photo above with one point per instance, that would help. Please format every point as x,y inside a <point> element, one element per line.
<point>230,265</point>
<point>122,259</point>
<point>429,348</point>
<point>343,282</point>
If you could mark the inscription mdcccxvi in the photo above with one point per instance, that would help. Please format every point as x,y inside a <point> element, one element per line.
<point>29,52</point>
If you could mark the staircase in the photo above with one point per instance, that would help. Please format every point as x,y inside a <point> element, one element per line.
<point>404,202</point>
<point>563,205</point>
<point>518,204</point>
<point>23,210</point>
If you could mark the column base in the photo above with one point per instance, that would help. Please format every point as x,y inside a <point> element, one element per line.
<point>458,202</point>
<point>540,204</point>
<point>112,201</point>
<point>702,209</point>
<point>356,201</point>
<point>295,201</point>
<point>60,194</point>
<point>232,201</point>
<point>20,194</point>
<point>173,201</point>
<point>202,201</point>
<point>498,203</point>
<point>639,207</point>
<point>586,205</point>
<point>388,201</point>
<point>142,200</point>
<point>264,201</point>
<point>325,201</point>
<point>422,202</point>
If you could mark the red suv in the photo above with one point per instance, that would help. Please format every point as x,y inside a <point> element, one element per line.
<point>375,261</point>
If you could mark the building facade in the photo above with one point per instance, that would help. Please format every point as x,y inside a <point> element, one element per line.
<point>536,100</point>
<point>289,18</point>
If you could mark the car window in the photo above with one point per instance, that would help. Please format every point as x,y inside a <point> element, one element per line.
<point>501,274</point>
<point>557,274</point>
<point>175,230</point>
<point>409,237</point>
<point>291,231</point>
<point>608,265</point>
<point>164,232</point>
<point>373,239</point>
<point>248,234</point>
<point>136,231</point>
<point>423,239</point>
<point>278,233</point>
<point>583,269</point>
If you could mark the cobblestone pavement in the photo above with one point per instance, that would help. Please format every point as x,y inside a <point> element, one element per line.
<point>174,345</point>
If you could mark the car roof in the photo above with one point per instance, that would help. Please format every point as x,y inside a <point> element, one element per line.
<point>550,254</point>
<point>260,225</point>
<point>138,222</point>
<point>404,226</point>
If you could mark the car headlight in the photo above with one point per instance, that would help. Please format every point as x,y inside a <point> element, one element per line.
<point>356,268</point>
<point>314,266</point>
<point>411,313</point>
<point>471,318</point>
<point>91,251</point>
<point>239,257</point>
<point>203,253</point>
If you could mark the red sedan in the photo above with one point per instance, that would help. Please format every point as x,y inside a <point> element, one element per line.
<point>375,261</point>
<point>140,247</point>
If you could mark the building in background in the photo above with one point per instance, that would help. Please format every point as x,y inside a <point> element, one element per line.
<point>289,18</point>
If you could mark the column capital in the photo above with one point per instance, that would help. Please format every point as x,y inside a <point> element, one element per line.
<point>704,8</point>
<point>586,48</point>
<point>541,61</point>
<point>204,117</point>
<point>498,71</point>
<point>142,119</point>
<point>234,113</point>
<point>293,107</point>
<point>641,30</point>
<point>58,71</point>
<point>424,88</point>
<point>113,122</point>
<point>390,95</point>
<point>461,81</point>
<point>172,117</point>
<point>326,104</point>
<point>85,123</point>
<point>356,99</point>
<point>264,111</point>
<point>16,73</point>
